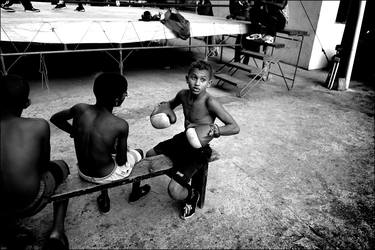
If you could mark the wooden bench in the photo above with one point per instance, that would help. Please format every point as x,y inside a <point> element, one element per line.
<point>145,169</point>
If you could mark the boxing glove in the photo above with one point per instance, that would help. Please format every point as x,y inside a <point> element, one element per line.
<point>176,191</point>
<point>201,135</point>
<point>162,116</point>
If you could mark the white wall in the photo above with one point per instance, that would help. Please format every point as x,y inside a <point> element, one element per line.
<point>329,34</point>
<point>298,19</point>
<point>322,15</point>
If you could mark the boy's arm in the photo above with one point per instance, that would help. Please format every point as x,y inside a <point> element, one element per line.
<point>122,144</point>
<point>230,126</point>
<point>176,100</point>
<point>45,145</point>
<point>60,120</point>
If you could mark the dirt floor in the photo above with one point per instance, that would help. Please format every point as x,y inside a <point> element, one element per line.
<point>300,174</point>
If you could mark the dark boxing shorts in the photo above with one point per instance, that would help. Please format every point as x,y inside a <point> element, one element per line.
<point>185,158</point>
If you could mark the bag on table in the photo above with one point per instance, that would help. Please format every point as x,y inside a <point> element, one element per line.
<point>177,24</point>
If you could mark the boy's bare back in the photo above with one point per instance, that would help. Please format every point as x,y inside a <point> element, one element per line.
<point>25,153</point>
<point>95,133</point>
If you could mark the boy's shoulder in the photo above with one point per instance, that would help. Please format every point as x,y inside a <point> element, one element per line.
<point>207,98</point>
<point>116,123</point>
<point>35,125</point>
<point>210,99</point>
<point>211,102</point>
<point>183,92</point>
<point>40,121</point>
<point>34,121</point>
<point>81,106</point>
<point>120,121</point>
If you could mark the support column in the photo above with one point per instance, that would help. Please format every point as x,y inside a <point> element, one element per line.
<point>362,6</point>
<point>3,68</point>
<point>347,42</point>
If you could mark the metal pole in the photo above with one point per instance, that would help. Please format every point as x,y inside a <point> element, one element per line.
<point>299,55</point>
<point>353,51</point>
<point>121,64</point>
<point>4,70</point>
<point>102,49</point>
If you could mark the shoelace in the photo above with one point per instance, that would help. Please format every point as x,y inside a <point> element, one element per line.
<point>187,209</point>
<point>254,36</point>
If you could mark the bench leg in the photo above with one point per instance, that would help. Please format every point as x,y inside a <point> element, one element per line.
<point>104,203</point>
<point>199,182</point>
<point>136,186</point>
<point>138,191</point>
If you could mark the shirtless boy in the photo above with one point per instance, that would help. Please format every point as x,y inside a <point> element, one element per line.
<point>98,134</point>
<point>199,108</point>
<point>27,176</point>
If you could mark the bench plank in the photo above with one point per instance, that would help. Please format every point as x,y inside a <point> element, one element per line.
<point>294,32</point>
<point>146,168</point>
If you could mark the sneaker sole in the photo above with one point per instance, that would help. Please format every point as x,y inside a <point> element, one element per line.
<point>10,11</point>
<point>189,216</point>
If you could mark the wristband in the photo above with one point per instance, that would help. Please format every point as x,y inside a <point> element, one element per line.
<point>214,130</point>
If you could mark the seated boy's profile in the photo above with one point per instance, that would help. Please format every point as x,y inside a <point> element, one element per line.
<point>100,137</point>
<point>190,150</point>
<point>27,178</point>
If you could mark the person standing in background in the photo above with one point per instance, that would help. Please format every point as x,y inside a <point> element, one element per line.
<point>61,5</point>
<point>5,5</point>
<point>204,7</point>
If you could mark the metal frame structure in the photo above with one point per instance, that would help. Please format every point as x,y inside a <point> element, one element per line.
<point>16,53</point>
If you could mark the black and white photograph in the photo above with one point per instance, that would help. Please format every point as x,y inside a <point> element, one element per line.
<point>187,124</point>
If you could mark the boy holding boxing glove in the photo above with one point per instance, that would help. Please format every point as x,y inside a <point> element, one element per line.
<point>190,150</point>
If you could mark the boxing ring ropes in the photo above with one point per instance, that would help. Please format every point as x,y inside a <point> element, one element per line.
<point>118,27</point>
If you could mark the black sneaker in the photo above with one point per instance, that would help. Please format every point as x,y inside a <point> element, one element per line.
<point>7,3</point>
<point>104,203</point>
<point>213,51</point>
<point>32,9</point>
<point>189,209</point>
<point>80,8</point>
<point>6,7</point>
<point>139,193</point>
<point>60,6</point>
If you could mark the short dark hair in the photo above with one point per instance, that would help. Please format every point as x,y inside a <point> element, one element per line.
<point>14,91</point>
<point>201,65</point>
<point>108,86</point>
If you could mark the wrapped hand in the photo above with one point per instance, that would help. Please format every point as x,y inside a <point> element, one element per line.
<point>214,130</point>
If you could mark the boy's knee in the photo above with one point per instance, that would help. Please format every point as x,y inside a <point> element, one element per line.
<point>59,170</point>
<point>150,153</point>
<point>140,151</point>
<point>176,191</point>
